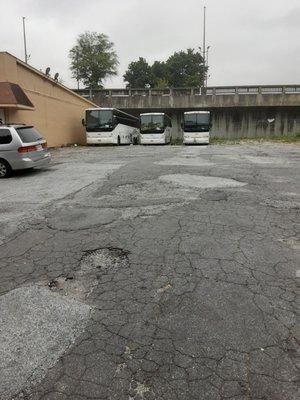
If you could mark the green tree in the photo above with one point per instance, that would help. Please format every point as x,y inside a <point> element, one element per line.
<point>182,69</point>
<point>186,68</point>
<point>160,73</point>
<point>139,74</point>
<point>93,59</point>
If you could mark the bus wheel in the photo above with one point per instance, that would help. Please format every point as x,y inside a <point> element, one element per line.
<point>119,141</point>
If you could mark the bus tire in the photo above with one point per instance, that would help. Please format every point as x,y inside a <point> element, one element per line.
<point>119,141</point>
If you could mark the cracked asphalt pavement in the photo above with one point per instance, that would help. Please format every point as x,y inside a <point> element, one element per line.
<point>152,273</point>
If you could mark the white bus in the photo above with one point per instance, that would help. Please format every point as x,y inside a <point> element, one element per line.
<point>196,127</point>
<point>110,126</point>
<point>155,128</point>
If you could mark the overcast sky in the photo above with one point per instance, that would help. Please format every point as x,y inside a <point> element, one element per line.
<point>252,41</point>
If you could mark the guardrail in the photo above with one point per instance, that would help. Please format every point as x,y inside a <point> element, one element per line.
<point>207,91</point>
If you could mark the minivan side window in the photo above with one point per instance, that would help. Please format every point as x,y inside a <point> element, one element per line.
<point>5,136</point>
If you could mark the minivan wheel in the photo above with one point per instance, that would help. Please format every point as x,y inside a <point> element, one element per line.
<point>5,169</point>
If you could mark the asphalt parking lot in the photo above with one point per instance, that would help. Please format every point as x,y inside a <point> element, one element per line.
<point>151,273</point>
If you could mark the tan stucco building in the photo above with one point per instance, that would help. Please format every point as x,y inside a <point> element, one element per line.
<point>28,96</point>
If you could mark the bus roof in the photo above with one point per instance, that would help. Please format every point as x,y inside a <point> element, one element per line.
<point>197,112</point>
<point>153,113</point>
<point>111,109</point>
<point>156,113</point>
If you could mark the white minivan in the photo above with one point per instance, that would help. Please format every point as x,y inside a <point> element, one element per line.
<point>21,147</point>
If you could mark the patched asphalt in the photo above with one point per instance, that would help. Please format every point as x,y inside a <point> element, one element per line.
<point>152,273</point>
<point>36,328</point>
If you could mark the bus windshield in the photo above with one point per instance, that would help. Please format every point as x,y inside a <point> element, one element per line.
<point>99,120</point>
<point>196,122</point>
<point>152,124</point>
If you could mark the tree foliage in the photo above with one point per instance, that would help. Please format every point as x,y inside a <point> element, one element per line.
<point>160,70</point>
<point>186,69</point>
<point>139,74</point>
<point>93,59</point>
<point>182,69</point>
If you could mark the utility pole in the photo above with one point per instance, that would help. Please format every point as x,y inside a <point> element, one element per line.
<point>205,49</point>
<point>204,35</point>
<point>24,36</point>
<point>206,72</point>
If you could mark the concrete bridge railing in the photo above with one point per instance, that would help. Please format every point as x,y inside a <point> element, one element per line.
<point>189,98</point>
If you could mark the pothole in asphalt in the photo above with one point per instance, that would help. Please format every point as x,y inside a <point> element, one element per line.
<point>104,259</point>
<point>201,182</point>
<point>72,218</point>
<point>38,324</point>
<point>94,264</point>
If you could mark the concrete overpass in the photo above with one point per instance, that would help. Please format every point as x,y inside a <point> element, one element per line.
<point>243,111</point>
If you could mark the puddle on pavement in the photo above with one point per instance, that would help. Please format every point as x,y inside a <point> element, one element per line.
<point>200,182</point>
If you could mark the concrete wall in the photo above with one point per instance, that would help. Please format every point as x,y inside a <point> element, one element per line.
<point>258,122</point>
<point>234,123</point>
<point>58,110</point>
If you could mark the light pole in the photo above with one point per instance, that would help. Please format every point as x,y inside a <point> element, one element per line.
<point>24,37</point>
<point>205,49</point>
<point>206,71</point>
<point>204,34</point>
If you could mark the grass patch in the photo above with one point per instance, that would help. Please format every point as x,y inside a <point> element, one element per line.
<point>276,139</point>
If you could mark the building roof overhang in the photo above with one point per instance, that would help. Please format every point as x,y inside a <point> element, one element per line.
<point>13,96</point>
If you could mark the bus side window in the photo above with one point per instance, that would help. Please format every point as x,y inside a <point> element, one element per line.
<point>115,120</point>
<point>167,121</point>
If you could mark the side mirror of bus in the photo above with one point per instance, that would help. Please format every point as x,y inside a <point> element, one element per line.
<point>181,124</point>
<point>83,122</point>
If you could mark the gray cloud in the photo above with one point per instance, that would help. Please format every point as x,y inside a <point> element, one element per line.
<point>252,41</point>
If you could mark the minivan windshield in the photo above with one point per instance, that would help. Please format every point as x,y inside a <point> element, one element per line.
<point>28,134</point>
<point>99,120</point>
<point>196,122</point>
<point>152,124</point>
